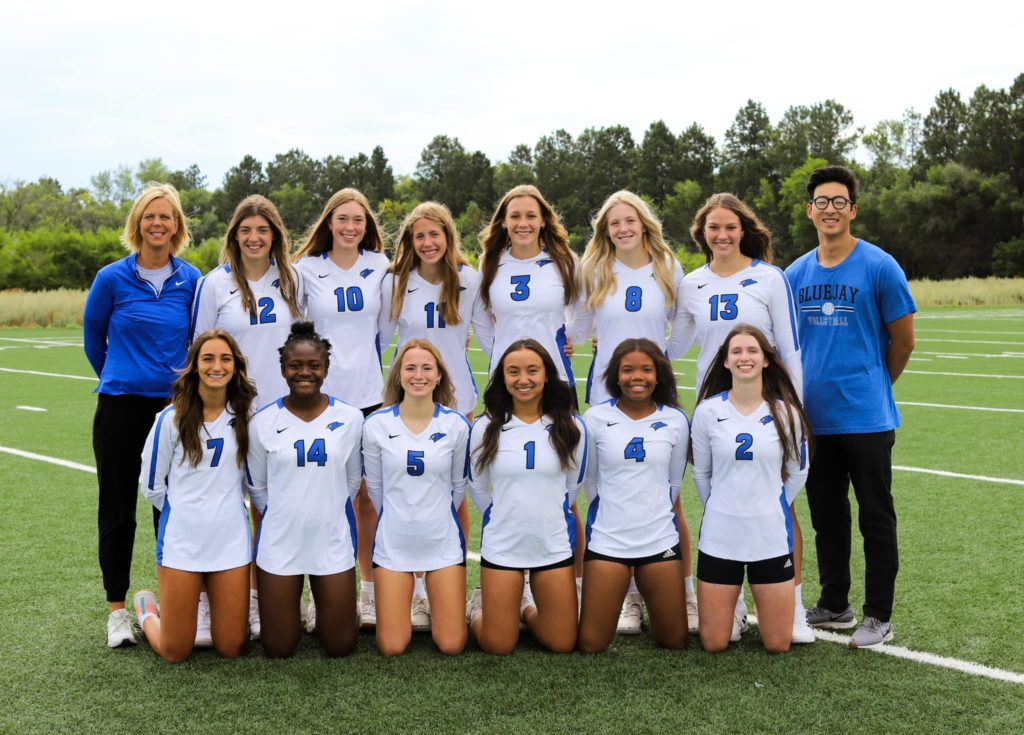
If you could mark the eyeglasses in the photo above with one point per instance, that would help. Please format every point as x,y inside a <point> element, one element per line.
<point>837,202</point>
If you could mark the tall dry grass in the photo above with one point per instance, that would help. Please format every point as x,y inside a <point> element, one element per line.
<point>63,307</point>
<point>968,292</point>
<point>60,308</point>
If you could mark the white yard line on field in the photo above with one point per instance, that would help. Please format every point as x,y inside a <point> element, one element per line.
<point>49,460</point>
<point>959,475</point>
<point>30,408</point>
<point>47,375</point>
<point>42,342</point>
<point>961,408</point>
<point>969,341</point>
<point>956,664</point>
<point>1012,355</point>
<point>969,331</point>
<point>964,375</point>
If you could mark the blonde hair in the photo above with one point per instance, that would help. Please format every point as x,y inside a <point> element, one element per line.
<point>131,238</point>
<point>318,238</point>
<point>597,277</point>
<point>444,391</point>
<point>553,237</point>
<point>231,252</point>
<point>406,259</point>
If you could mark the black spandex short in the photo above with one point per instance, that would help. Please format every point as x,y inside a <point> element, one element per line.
<point>727,571</point>
<point>428,571</point>
<point>533,570</point>
<point>370,409</point>
<point>672,554</point>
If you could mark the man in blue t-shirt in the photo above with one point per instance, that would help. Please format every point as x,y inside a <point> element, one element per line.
<point>857,332</point>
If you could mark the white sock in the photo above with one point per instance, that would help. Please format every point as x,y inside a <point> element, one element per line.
<point>632,587</point>
<point>579,584</point>
<point>798,593</point>
<point>366,590</point>
<point>254,595</point>
<point>418,588</point>
<point>203,599</point>
<point>688,581</point>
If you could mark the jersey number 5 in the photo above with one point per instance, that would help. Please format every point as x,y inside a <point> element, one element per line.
<point>414,463</point>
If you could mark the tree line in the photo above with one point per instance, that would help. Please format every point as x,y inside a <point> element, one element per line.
<point>943,192</point>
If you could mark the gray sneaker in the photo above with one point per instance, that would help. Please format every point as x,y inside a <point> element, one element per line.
<point>871,634</point>
<point>822,617</point>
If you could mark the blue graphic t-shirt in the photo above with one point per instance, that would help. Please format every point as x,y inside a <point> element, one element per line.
<point>843,312</point>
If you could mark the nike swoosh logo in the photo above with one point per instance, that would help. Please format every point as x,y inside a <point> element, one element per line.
<point>232,293</point>
<point>412,290</point>
<point>701,285</point>
<point>178,283</point>
<point>324,275</point>
<point>613,423</point>
<point>505,428</point>
<point>284,429</point>
<point>392,436</point>
<point>721,420</point>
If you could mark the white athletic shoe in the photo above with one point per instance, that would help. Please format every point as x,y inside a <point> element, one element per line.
<point>802,632</point>
<point>308,616</point>
<point>119,629</point>
<point>475,604</point>
<point>631,617</point>
<point>204,636</point>
<point>739,620</point>
<point>419,614</point>
<point>254,617</point>
<point>692,620</point>
<point>367,613</point>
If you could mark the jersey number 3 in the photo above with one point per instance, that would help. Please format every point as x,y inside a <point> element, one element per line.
<point>521,292</point>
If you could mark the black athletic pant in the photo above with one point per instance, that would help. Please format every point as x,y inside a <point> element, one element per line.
<point>866,461</point>
<point>119,431</point>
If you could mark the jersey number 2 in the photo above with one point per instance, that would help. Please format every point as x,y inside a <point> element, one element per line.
<point>745,442</point>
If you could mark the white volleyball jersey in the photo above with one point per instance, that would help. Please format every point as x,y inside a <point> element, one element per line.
<point>738,468</point>
<point>204,526</point>
<point>344,305</point>
<point>635,309</point>
<point>218,304</point>
<point>758,295</point>
<point>422,317</point>
<point>524,494</point>
<point>302,477</point>
<point>528,301</point>
<point>633,478</point>
<point>416,482</point>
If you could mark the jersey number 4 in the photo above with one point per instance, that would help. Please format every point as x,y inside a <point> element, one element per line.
<point>317,453</point>
<point>635,449</point>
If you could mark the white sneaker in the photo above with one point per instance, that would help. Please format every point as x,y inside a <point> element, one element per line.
<point>367,613</point>
<point>739,620</point>
<point>419,614</point>
<point>204,636</point>
<point>475,604</point>
<point>631,616</point>
<point>254,617</point>
<point>119,629</point>
<point>692,620</point>
<point>309,616</point>
<point>802,632</point>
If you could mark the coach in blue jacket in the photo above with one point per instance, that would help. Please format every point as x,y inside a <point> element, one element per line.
<point>136,337</point>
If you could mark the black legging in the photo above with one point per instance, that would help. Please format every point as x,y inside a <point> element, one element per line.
<point>119,431</point>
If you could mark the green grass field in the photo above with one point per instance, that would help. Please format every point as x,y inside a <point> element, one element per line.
<point>958,595</point>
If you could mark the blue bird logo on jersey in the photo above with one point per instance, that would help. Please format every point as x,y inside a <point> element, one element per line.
<point>365,272</point>
<point>335,425</point>
<point>766,420</point>
<point>748,282</point>
<point>276,283</point>
<point>658,425</point>
<point>437,437</point>
<point>543,262</point>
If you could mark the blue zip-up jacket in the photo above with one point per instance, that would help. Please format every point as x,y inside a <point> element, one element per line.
<point>135,340</point>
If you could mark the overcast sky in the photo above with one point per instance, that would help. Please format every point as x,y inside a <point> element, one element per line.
<point>89,86</point>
